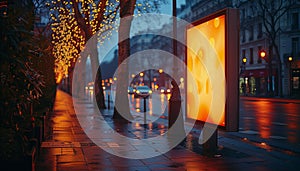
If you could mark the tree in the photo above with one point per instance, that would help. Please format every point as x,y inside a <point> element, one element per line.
<point>75,23</point>
<point>20,83</point>
<point>271,13</point>
<point>127,9</point>
<point>43,63</point>
<point>126,15</point>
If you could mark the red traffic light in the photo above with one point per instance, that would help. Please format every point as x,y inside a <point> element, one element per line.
<point>262,53</point>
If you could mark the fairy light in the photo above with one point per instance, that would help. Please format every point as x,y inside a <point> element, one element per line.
<point>68,39</point>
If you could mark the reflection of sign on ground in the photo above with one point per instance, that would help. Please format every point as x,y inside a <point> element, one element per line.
<point>59,144</point>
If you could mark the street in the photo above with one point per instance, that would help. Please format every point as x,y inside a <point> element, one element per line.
<point>276,120</point>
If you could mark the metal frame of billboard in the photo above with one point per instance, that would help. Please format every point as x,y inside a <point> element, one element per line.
<point>232,28</point>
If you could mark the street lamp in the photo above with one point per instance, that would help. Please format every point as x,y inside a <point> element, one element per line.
<point>244,60</point>
<point>263,55</point>
<point>141,78</point>
<point>290,60</point>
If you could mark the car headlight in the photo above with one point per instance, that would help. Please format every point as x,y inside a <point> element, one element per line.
<point>150,92</point>
<point>138,91</point>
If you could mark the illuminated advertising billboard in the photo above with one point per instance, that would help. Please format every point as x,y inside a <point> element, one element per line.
<point>212,59</point>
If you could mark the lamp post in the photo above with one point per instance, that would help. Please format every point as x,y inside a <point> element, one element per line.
<point>244,61</point>
<point>290,60</point>
<point>145,96</point>
<point>161,78</point>
<point>174,13</point>
<point>263,55</point>
<point>141,78</point>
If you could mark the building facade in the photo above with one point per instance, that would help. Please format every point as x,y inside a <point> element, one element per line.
<point>275,74</point>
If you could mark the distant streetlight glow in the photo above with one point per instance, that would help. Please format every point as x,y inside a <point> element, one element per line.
<point>244,60</point>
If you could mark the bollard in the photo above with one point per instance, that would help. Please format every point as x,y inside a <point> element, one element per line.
<point>108,100</point>
<point>175,113</point>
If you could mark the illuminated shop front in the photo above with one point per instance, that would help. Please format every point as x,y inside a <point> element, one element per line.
<point>257,82</point>
<point>295,82</point>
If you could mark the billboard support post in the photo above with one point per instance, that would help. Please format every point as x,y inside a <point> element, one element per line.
<point>210,147</point>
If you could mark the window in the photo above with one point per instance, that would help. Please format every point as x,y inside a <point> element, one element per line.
<point>243,36</point>
<point>258,56</point>
<point>243,54</point>
<point>243,13</point>
<point>251,56</point>
<point>259,30</point>
<point>295,46</point>
<point>295,82</point>
<point>250,33</point>
<point>295,21</point>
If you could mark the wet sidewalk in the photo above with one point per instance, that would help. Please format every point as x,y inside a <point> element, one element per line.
<point>67,147</point>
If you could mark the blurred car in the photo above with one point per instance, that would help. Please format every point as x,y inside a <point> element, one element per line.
<point>131,90</point>
<point>164,90</point>
<point>142,91</point>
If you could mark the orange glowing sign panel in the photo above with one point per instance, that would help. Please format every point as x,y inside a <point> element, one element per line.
<point>208,64</point>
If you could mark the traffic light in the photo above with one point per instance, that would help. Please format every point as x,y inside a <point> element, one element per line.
<point>262,53</point>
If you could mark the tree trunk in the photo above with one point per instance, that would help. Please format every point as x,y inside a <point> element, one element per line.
<point>79,78</point>
<point>279,70</point>
<point>270,71</point>
<point>96,73</point>
<point>92,51</point>
<point>121,110</point>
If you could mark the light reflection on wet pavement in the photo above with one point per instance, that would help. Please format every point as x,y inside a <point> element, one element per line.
<point>69,148</point>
